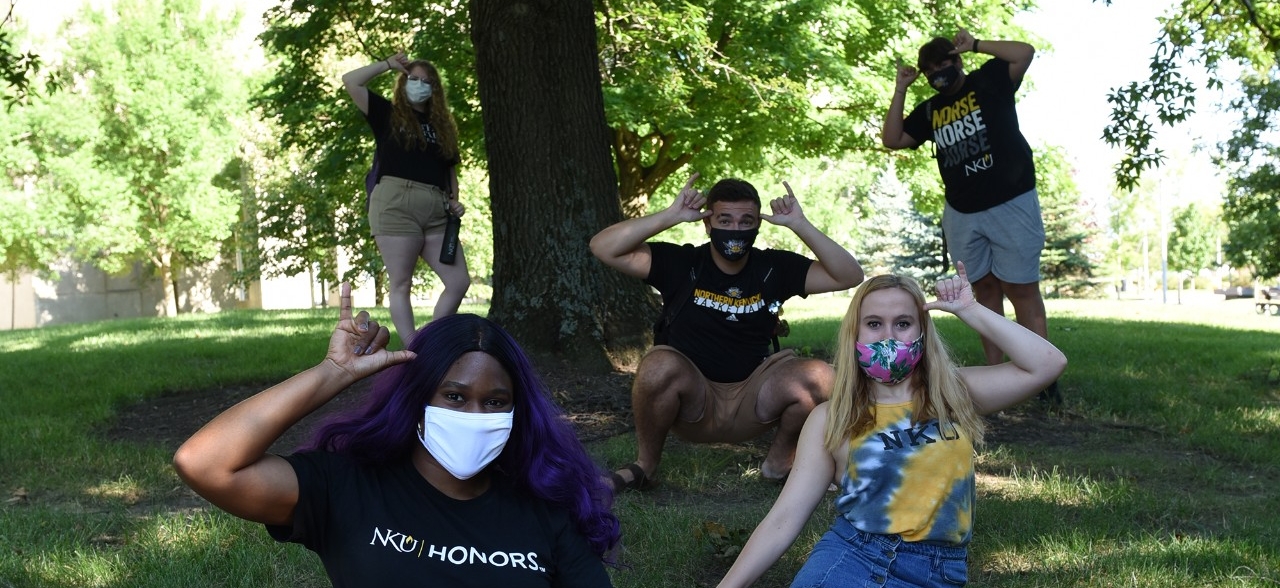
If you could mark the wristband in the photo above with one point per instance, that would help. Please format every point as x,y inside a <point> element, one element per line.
<point>975,46</point>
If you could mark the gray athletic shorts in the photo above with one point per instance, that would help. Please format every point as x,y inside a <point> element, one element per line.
<point>1005,240</point>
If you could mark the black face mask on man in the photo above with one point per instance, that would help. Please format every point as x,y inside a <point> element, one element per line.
<point>733,244</point>
<point>943,78</point>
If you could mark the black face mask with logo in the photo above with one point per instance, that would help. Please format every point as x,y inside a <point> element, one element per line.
<point>943,78</point>
<point>733,244</point>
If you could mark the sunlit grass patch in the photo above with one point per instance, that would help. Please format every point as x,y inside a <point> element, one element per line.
<point>123,489</point>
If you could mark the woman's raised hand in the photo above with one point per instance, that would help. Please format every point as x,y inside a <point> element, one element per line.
<point>955,293</point>
<point>358,345</point>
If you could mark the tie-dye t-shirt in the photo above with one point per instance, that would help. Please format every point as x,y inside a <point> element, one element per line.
<point>910,480</point>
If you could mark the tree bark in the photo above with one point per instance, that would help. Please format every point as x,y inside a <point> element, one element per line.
<point>637,181</point>
<point>552,184</point>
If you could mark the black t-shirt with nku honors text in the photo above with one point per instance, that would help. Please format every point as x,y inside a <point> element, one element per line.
<point>387,526</point>
<point>725,326</point>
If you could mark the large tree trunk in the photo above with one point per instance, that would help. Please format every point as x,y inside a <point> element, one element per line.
<point>552,184</point>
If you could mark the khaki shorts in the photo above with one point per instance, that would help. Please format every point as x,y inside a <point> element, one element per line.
<point>402,208</point>
<point>729,414</point>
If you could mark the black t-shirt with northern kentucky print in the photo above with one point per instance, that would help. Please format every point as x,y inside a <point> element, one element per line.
<point>387,526</point>
<point>725,326</point>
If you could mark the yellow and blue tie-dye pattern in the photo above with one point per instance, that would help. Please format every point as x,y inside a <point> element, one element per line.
<point>914,480</point>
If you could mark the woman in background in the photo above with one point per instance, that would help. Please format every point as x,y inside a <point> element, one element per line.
<point>416,182</point>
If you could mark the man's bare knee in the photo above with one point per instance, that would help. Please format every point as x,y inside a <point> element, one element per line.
<point>662,371</point>
<point>800,384</point>
<point>812,378</point>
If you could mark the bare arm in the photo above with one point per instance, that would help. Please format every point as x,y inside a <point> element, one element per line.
<point>1033,361</point>
<point>226,461</point>
<point>455,205</point>
<point>835,268</point>
<point>1017,53</point>
<point>453,182</point>
<point>623,246</point>
<point>813,472</point>
<point>893,134</point>
<point>356,80</point>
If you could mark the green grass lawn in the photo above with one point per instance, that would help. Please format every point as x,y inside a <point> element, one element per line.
<point>1160,470</point>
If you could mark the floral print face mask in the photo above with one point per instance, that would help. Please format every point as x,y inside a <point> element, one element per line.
<point>890,361</point>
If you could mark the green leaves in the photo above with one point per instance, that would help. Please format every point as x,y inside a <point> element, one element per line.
<point>128,152</point>
<point>1220,37</point>
<point>1252,206</point>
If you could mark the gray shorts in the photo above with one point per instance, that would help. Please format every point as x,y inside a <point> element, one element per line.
<point>1005,240</point>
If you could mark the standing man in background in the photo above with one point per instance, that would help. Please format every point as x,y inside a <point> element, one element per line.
<point>991,221</point>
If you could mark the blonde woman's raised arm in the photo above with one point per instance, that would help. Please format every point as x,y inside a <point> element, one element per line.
<point>1033,363</point>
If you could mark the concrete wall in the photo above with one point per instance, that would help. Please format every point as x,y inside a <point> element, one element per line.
<point>85,293</point>
<point>17,303</point>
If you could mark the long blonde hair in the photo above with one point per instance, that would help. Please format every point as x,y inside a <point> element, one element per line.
<point>404,123</point>
<point>936,388</point>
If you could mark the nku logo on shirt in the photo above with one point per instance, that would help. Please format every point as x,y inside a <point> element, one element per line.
<point>456,555</point>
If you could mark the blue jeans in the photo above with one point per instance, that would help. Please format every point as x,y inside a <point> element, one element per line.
<point>847,557</point>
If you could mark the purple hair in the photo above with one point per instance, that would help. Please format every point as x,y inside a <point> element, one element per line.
<point>543,457</point>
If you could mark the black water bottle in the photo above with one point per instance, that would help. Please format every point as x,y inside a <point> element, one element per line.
<point>449,251</point>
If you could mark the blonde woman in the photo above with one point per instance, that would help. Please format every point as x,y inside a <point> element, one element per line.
<point>897,437</point>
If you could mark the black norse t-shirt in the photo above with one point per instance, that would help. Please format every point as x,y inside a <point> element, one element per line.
<point>725,327</point>
<point>982,156</point>
<point>387,526</point>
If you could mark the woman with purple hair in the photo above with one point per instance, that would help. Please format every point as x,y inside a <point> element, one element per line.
<point>457,470</point>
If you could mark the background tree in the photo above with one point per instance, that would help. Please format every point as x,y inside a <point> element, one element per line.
<point>897,237</point>
<point>719,87</point>
<point>552,184</point>
<point>30,239</point>
<point>1070,229</point>
<point>1252,206</point>
<point>1193,240</point>
<point>153,108</point>
<point>18,69</point>
<point>1218,37</point>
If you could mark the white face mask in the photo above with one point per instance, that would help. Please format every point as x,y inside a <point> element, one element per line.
<point>464,442</point>
<point>418,91</point>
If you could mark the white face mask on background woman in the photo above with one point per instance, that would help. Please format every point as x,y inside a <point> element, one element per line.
<point>464,442</point>
<point>418,90</point>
